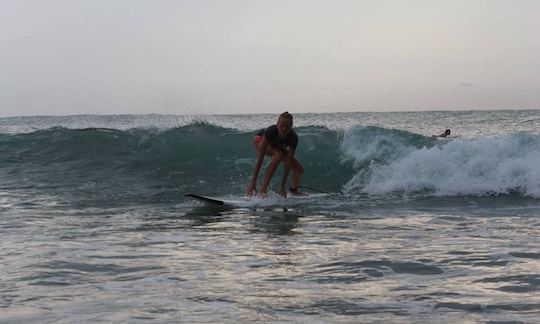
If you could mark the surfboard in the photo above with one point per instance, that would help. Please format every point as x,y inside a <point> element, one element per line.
<point>250,202</point>
<point>216,201</point>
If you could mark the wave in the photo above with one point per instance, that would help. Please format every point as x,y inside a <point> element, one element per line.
<point>152,165</point>
<point>389,161</point>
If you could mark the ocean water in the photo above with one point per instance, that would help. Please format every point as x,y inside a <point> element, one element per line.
<point>400,228</point>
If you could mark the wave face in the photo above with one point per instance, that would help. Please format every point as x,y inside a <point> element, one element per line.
<point>389,161</point>
<point>99,165</point>
<point>149,165</point>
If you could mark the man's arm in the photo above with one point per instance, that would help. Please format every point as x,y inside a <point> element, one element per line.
<point>286,168</point>
<point>260,156</point>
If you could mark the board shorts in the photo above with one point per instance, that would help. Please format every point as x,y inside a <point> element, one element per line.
<point>257,139</point>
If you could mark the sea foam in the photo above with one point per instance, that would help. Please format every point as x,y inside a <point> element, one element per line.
<point>386,161</point>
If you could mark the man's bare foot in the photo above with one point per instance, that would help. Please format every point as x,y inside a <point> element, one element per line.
<point>295,192</point>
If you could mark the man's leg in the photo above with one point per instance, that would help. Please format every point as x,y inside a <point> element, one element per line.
<point>297,172</point>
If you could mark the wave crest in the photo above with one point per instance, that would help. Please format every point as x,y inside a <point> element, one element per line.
<point>505,164</point>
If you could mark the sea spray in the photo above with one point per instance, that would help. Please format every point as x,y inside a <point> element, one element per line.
<point>504,164</point>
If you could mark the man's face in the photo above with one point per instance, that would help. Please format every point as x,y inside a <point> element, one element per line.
<point>284,126</point>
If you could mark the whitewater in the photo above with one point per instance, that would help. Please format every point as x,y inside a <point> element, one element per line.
<point>401,226</point>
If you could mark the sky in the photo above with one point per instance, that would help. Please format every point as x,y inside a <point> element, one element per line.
<point>68,57</point>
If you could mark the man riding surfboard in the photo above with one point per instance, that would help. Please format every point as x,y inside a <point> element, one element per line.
<point>278,141</point>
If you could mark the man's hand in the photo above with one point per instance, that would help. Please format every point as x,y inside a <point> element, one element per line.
<point>282,192</point>
<point>251,190</point>
<point>263,194</point>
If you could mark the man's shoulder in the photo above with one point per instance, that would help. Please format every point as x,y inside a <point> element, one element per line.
<point>270,130</point>
<point>293,134</point>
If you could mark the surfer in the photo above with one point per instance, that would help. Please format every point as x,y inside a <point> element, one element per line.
<point>278,141</point>
<point>446,133</point>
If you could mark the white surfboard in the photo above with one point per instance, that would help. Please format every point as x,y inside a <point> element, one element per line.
<point>217,201</point>
<point>249,202</point>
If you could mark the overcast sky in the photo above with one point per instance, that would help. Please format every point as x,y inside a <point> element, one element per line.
<point>60,57</point>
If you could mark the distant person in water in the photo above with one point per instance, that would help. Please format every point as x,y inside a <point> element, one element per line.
<point>279,142</point>
<point>446,133</point>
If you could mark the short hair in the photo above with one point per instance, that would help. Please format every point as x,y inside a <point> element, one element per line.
<point>447,131</point>
<point>287,116</point>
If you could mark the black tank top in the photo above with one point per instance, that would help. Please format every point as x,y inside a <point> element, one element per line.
<point>271,133</point>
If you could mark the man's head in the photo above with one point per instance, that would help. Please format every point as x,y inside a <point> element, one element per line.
<point>284,124</point>
<point>447,132</point>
